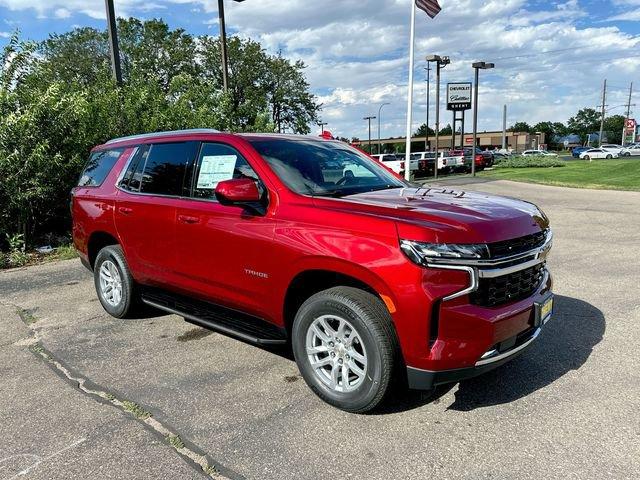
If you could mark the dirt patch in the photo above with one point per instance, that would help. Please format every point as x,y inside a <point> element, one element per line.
<point>194,334</point>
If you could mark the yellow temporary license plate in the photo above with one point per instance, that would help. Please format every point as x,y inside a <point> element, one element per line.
<point>546,310</point>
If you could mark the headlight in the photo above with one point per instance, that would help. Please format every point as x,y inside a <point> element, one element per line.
<point>423,253</point>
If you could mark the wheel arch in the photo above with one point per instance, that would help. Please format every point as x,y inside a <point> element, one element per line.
<point>314,279</point>
<point>97,241</point>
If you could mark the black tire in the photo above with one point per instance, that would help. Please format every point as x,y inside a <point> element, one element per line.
<point>586,157</point>
<point>129,301</point>
<point>627,154</point>
<point>371,320</point>
<point>609,157</point>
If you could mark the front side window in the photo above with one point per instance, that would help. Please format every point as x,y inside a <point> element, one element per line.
<point>98,167</point>
<point>218,162</point>
<point>166,167</point>
<point>324,168</point>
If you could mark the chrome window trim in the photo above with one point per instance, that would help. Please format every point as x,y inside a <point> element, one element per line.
<point>126,166</point>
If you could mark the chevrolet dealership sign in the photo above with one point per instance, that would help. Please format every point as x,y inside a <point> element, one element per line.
<point>459,96</point>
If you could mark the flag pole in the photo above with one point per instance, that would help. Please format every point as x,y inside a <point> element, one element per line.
<point>407,156</point>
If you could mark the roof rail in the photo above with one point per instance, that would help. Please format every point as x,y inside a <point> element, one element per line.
<point>144,136</point>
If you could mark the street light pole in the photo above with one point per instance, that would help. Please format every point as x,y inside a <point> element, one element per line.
<point>379,142</point>
<point>113,42</point>
<point>604,99</point>
<point>369,120</point>
<point>441,62</point>
<point>476,66</point>
<point>426,135</point>
<point>223,44</point>
<point>322,124</point>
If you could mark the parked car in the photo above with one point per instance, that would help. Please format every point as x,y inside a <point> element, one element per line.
<point>544,153</point>
<point>598,153</point>
<point>426,162</point>
<point>307,243</point>
<point>576,151</point>
<point>486,155</point>
<point>633,149</point>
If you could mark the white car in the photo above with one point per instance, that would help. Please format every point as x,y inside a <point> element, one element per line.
<point>395,162</point>
<point>442,158</point>
<point>598,153</point>
<point>544,153</point>
<point>633,149</point>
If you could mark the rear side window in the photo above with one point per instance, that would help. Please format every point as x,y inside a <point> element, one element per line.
<point>166,167</point>
<point>98,167</point>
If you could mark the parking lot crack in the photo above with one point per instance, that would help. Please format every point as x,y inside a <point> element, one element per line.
<point>187,450</point>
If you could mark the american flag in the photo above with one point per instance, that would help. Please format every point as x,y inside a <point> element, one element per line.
<point>431,7</point>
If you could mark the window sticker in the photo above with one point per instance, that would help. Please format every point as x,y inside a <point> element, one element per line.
<point>216,168</point>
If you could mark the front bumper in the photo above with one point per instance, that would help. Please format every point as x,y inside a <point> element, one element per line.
<point>419,379</point>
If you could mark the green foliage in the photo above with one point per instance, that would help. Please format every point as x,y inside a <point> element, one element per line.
<point>613,128</point>
<point>58,99</point>
<point>520,127</point>
<point>551,130</point>
<point>528,161</point>
<point>422,130</point>
<point>586,121</point>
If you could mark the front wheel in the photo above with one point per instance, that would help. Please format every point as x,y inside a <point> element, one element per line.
<point>609,157</point>
<point>345,346</point>
<point>586,157</point>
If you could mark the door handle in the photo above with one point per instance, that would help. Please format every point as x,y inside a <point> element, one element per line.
<point>188,219</point>
<point>125,210</point>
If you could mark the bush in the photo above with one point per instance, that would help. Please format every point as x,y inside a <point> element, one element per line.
<point>529,161</point>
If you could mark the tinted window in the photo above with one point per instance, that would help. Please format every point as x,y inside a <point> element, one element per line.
<point>318,167</point>
<point>133,175</point>
<point>98,167</point>
<point>166,166</point>
<point>218,162</point>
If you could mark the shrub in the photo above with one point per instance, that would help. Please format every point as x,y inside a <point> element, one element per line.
<point>529,161</point>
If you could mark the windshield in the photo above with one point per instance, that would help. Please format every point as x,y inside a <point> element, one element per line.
<point>324,168</point>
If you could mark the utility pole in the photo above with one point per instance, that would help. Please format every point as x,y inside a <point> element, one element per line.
<point>379,116</point>
<point>504,127</point>
<point>624,127</point>
<point>441,62</point>
<point>113,42</point>
<point>426,135</point>
<point>604,98</point>
<point>223,46</point>
<point>369,120</point>
<point>322,124</point>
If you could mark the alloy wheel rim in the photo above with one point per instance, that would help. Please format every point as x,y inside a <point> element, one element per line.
<point>336,353</point>
<point>110,283</point>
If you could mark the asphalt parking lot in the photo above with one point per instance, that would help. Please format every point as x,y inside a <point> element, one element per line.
<point>83,394</point>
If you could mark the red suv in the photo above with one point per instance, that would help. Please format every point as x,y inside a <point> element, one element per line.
<point>307,242</point>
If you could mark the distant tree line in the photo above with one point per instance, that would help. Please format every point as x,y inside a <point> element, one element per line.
<point>583,123</point>
<point>58,99</point>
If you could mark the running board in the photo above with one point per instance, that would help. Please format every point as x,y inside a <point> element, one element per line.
<point>216,317</point>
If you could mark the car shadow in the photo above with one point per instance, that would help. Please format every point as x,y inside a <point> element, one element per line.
<point>565,344</point>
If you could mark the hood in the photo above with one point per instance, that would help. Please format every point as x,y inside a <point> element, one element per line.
<point>436,214</point>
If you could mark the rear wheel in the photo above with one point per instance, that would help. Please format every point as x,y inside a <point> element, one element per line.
<point>345,346</point>
<point>609,156</point>
<point>586,157</point>
<point>114,284</point>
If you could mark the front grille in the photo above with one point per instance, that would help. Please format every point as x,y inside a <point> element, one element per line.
<point>514,246</point>
<point>515,286</point>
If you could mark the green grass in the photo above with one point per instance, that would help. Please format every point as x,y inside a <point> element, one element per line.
<point>600,174</point>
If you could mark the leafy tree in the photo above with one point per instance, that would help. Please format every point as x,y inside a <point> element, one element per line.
<point>520,127</point>
<point>613,128</point>
<point>587,120</point>
<point>422,130</point>
<point>550,129</point>
<point>446,130</point>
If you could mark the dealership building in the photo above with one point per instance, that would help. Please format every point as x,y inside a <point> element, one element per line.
<point>516,141</point>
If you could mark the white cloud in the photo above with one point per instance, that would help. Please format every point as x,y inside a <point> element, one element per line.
<point>5,35</point>
<point>62,13</point>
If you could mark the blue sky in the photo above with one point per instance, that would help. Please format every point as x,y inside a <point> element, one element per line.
<point>551,57</point>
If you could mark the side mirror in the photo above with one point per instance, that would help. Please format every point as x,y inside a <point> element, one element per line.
<point>237,191</point>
